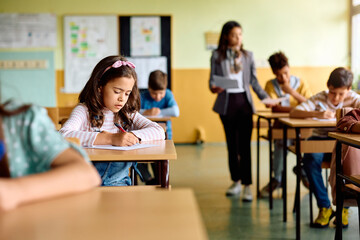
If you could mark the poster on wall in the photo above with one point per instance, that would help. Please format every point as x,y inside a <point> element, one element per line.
<point>145,36</point>
<point>27,30</point>
<point>145,65</point>
<point>87,39</point>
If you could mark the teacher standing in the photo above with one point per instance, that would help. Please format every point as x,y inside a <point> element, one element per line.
<point>235,105</point>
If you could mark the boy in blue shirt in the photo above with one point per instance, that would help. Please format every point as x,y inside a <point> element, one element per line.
<point>157,101</point>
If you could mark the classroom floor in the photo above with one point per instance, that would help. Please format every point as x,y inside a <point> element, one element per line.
<point>204,168</point>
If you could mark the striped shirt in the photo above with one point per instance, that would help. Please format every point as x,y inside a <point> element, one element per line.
<point>352,99</point>
<point>78,126</point>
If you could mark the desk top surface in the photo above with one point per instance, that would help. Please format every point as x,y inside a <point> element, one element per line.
<point>351,138</point>
<point>108,214</point>
<point>164,151</point>
<point>158,119</point>
<point>272,115</point>
<point>307,122</point>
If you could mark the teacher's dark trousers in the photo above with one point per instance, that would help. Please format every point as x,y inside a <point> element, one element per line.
<point>238,128</point>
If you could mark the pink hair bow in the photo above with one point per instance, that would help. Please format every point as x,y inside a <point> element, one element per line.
<point>120,63</point>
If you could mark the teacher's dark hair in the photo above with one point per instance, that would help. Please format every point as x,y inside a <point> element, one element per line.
<point>223,41</point>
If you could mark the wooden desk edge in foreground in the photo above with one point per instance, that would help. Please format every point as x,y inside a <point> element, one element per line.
<point>165,151</point>
<point>106,214</point>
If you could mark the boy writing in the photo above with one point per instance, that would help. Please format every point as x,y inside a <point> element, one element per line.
<point>157,101</point>
<point>323,105</point>
<point>296,91</point>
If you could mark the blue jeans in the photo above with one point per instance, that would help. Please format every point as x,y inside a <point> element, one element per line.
<point>312,166</point>
<point>278,160</point>
<point>114,173</point>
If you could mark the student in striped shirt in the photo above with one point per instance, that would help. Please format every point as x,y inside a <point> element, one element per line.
<point>323,105</point>
<point>107,114</point>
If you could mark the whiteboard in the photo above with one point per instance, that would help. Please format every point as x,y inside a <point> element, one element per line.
<point>87,39</point>
<point>145,65</point>
<point>27,30</point>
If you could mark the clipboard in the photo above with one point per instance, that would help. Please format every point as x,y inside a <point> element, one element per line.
<point>225,82</point>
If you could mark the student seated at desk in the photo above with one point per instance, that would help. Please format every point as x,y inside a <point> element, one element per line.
<point>350,123</point>
<point>35,161</point>
<point>323,106</point>
<point>296,91</point>
<point>108,115</point>
<point>157,101</point>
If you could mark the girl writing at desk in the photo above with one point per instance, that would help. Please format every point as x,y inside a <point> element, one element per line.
<point>108,115</point>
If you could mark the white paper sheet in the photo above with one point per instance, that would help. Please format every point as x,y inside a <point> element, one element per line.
<point>145,65</point>
<point>225,82</point>
<point>325,119</point>
<point>273,101</point>
<point>136,146</point>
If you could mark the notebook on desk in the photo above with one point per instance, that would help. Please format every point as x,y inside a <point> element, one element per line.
<point>136,146</point>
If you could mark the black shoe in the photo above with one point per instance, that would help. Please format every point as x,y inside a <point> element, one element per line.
<point>151,182</point>
<point>304,178</point>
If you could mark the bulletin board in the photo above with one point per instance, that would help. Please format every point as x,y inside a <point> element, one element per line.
<point>87,40</point>
<point>146,40</point>
<point>34,86</point>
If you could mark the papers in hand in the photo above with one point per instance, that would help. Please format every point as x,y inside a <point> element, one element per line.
<point>136,146</point>
<point>273,101</point>
<point>225,82</point>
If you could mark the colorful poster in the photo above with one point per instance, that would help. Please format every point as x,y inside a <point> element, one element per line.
<point>145,37</point>
<point>87,40</point>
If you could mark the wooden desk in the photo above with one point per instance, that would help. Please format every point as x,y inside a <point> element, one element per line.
<point>298,123</point>
<point>353,140</point>
<point>158,119</point>
<point>269,117</point>
<point>108,214</point>
<point>161,154</point>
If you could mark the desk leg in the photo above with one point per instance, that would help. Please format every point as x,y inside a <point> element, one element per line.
<point>298,177</point>
<point>164,178</point>
<point>284,181</point>
<point>258,160</point>
<point>271,164</point>
<point>339,196</point>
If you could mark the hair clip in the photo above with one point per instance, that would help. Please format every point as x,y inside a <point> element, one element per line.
<point>118,64</point>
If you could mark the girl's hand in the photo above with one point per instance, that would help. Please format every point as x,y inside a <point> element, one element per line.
<point>152,112</point>
<point>124,139</point>
<point>326,114</point>
<point>8,196</point>
<point>215,89</point>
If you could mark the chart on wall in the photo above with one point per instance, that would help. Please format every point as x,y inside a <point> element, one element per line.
<point>87,40</point>
<point>145,36</point>
<point>20,30</point>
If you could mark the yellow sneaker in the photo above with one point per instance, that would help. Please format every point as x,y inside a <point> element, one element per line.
<point>345,217</point>
<point>324,217</point>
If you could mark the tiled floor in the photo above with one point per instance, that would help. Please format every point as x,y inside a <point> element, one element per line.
<point>204,168</point>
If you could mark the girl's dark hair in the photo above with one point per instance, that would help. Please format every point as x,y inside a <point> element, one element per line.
<point>223,41</point>
<point>93,99</point>
<point>4,167</point>
<point>277,61</point>
<point>340,77</point>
